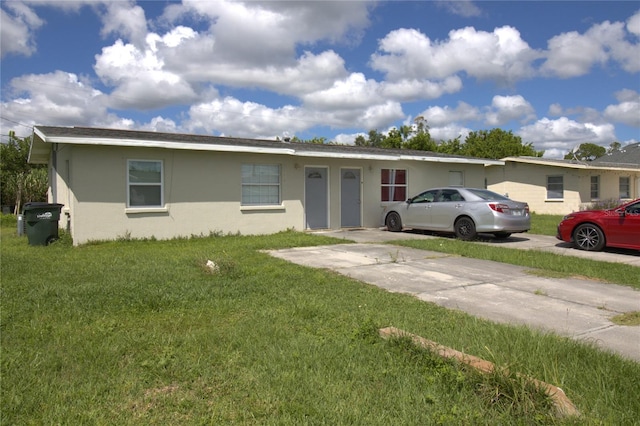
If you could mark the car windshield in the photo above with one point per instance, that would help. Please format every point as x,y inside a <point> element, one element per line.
<point>486,194</point>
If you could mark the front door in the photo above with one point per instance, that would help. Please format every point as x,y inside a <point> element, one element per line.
<point>316,198</point>
<point>350,203</point>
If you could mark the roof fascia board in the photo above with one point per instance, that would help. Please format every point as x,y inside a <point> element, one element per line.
<point>568,165</point>
<point>38,150</point>
<point>137,143</point>
<point>346,155</point>
<point>483,161</point>
<point>255,150</point>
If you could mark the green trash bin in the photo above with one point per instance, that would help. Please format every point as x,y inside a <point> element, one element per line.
<point>41,222</point>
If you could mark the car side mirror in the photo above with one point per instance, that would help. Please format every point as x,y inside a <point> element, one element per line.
<point>621,212</point>
<point>409,200</point>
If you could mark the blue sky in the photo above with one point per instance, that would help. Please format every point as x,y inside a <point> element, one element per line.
<point>555,73</point>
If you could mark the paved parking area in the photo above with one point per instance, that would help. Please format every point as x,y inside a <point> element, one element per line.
<point>580,309</point>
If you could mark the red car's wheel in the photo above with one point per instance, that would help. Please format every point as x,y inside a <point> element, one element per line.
<point>588,237</point>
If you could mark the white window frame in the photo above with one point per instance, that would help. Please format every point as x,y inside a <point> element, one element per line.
<point>456,178</point>
<point>627,185</point>
<point>392,185</point>
<point>595,188</point>
<point>550,192</point>
<point>247,200</point>
<point>156,184</point>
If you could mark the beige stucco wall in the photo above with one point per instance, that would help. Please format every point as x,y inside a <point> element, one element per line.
<point>202,191</point>
<point>528,182</point>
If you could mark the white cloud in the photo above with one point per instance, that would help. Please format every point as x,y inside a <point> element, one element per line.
<point>308,73</point>
<point>347,138</point>
<point>555,110</point>
<point>353,92</point>
<point>17,29</point>
<point>260,34</point>
<point>125,19</point>
<point>627,111</point>
<point>57,98</point>
<point>161,124</point>
<point>507,108</point>
<point>501,55</point>
<point>450,131</point>
<point>465,8</point>
<point>411,90</point>
<point>232,117</point>
<point>442,116</point>
<point>573,54</point>
<point>564,134</point>
<point>633,25</point>
<point>139,78</point>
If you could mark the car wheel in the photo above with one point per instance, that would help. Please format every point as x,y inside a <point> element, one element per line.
<point>502,235</point>
<point>393,222</point>
<point>588,237</point>
<point>465,229</point>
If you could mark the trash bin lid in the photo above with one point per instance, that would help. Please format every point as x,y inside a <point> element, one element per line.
<point>41,205</point>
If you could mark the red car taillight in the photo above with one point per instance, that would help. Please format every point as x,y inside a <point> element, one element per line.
<point>500,208</point>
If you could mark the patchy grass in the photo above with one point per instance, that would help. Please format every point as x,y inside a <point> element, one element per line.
<point>628,318</point>
<point>545,224</point>
<point>140,332</point>
<point>539,262</point>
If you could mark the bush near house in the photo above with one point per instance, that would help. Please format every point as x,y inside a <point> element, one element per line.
<point>602,204</point>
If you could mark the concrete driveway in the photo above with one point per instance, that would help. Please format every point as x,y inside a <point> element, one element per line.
<point>579,309</point>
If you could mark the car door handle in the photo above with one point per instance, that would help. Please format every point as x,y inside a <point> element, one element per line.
<point>458,206</point>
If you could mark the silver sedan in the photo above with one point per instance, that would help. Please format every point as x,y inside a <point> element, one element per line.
<point>463,211</point>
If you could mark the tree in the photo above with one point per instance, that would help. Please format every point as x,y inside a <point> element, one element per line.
<point>614,147</point>
<point>375,138</point>
<point>586,152</point>
<point>421,139</point>
<point>20,181</point>
<point>496,144</point>
<point>452,146</point>
<point>394,139</point>
<point>361,141</point>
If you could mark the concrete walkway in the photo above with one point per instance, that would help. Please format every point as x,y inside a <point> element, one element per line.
<point>580,309</point>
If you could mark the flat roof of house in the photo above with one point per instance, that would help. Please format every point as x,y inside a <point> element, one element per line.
<point>45,136</point>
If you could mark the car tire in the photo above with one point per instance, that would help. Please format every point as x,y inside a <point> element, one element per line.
<point>393,222</point>
<point>588,237</point>
<point>502,235</point>
<point>465,228</point>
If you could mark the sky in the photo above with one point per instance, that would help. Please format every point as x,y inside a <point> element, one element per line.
<point>555,73</point>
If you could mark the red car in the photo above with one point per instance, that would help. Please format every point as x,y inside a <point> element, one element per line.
<point>594,230</point>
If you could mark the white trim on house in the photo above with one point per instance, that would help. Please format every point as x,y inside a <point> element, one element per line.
<point>39,153</point>
<point>566,164</point>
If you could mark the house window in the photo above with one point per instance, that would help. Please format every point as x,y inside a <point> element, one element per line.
<point>260,185</point>
<point>393,185</point>
<point>625,187</point>
<point>555,187</point>
<point>145,183</point>
<point>595,187</point>
<point>456,178</point>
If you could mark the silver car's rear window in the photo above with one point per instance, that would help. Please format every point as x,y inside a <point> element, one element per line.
<point>486,194</point>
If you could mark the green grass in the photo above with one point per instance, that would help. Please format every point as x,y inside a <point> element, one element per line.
<point>141,332</point>
<point>542,263</point>
<point>628,319</point>
<point>545,224</point>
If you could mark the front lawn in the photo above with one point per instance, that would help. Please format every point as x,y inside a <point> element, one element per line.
<point>143,332</point>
